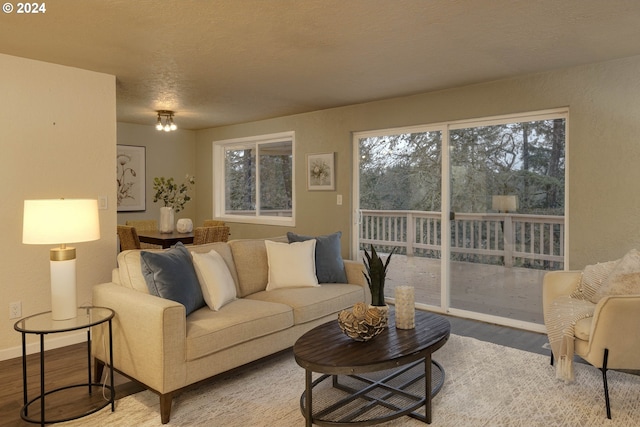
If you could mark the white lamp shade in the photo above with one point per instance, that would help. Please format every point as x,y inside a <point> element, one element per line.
<point>504,203</point>
<point>60,221</point>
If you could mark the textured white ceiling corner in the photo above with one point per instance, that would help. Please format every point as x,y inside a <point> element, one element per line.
<point>220,62</point>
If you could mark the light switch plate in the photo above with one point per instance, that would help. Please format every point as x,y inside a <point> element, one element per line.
<point>103,203</point>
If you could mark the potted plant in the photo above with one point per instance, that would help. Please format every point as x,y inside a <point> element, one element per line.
<point>376,274</point>
<point>173,196</point>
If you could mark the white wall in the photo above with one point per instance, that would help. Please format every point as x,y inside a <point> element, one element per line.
<point>58,140</point>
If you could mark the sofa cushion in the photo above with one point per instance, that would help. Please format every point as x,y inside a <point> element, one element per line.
<point>237,322</point>
<point>309,304</point>
<point>291,265</point>
<point>250,258</point>
<point>171,275</point>
<point>583,328</point>
<point>218,287</point>
<point>129,270</point>
<point>225,252</point>
<point>329,263</point>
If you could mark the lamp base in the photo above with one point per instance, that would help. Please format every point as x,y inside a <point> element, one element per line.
<point>63,289</point>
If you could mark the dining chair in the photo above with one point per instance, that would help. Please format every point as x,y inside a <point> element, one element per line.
<point>128,237</point>
<point>202,235</point>
<point>145,225</point>
<point>213,223</point>
<point>219,234</point>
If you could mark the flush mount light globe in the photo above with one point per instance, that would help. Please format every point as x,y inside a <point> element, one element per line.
<point>167,125</point>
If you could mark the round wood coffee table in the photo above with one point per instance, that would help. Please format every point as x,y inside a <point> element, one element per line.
<point>375,381</point>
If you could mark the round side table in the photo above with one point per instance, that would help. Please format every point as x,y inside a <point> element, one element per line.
<point>42,324</point>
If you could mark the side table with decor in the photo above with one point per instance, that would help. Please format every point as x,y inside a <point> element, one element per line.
<point>42,324</point>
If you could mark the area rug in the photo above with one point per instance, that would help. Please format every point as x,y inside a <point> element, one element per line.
<point>485,385</point>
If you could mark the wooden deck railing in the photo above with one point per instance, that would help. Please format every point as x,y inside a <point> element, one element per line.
<point>534,241</point>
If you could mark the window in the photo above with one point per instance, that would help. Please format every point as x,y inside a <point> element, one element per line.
<point>254,179</point>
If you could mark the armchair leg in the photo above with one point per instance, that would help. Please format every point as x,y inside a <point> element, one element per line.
<point>604,380</point>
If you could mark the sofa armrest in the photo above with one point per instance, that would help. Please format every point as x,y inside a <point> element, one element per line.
<point>557,283</point>
<point>355,272</point>
<point>615,327</point>
<point>148,336</point>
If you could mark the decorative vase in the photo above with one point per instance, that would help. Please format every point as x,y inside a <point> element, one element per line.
<point>166,219</point>
<point>184,225</point>
<point>405,307</point>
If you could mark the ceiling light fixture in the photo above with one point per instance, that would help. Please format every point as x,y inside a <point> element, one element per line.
<point>168,124</point>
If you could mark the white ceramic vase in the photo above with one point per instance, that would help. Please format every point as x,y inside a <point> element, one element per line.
<point>167,216</point>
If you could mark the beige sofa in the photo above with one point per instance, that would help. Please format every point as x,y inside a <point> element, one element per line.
<point>155,344</point>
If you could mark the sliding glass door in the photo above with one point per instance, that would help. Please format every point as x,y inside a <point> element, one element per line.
<point>473,210</point>
<point>507,221</point>
<point>400,206</point>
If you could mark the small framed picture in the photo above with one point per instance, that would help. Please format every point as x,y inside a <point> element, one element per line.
<point>320,172</point>
<point>131,178</point>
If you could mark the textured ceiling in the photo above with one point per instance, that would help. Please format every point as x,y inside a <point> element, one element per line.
<point>220,62</point>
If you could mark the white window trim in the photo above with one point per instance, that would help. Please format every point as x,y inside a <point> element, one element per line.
<point>218,163</point>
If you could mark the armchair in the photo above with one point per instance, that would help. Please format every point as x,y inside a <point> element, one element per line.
<point>608,340</point>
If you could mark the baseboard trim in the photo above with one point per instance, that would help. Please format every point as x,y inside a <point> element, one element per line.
<point>50,344</point>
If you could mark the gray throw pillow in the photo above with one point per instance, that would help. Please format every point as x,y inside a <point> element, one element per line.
<point>329,263</point>
<point>171,275</point>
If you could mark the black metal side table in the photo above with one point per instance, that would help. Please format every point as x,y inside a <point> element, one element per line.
<point>42,324</point>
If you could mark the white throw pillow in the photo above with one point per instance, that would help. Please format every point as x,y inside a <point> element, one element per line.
<point>291,265</point>
<point>218,287</point>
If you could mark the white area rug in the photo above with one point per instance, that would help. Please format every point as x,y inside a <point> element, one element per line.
<point>485,385</point>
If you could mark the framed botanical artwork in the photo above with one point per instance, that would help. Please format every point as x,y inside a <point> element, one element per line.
<point>130,164</point>
<point>320,172</point>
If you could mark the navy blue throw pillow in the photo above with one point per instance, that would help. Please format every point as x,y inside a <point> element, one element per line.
<point>171,275</point>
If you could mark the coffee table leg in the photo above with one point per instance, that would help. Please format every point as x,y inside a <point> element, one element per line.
<point>427,386</point>
<point>307,396</point>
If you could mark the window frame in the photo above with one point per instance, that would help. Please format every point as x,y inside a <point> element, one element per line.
<point>219,178</point>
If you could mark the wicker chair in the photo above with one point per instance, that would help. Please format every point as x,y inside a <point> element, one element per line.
<point>213,223</point>
<point>128,237</point>
<point>202,235</point>
<point>145,225</point>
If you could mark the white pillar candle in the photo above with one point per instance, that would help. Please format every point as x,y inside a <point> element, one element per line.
<point>405,307</point>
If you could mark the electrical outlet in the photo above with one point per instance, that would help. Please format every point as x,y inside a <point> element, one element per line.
<point>15,310</point>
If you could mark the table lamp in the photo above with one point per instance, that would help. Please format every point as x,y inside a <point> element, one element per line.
<point>61,221</point>
<point>504,203</point>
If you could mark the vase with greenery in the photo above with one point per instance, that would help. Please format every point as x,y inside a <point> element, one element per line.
<point>173,197</point>
<point>376,273</point>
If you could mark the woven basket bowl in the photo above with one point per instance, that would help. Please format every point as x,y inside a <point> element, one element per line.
<point>362,323</point>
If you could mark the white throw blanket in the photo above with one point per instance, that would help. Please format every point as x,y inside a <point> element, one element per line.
<point>563,315</point>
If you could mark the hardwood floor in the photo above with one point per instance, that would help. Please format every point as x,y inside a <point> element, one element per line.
<point>67,365</point>
<point>63,366</point>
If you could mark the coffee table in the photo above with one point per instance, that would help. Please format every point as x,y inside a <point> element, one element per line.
<point>375,381</point>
